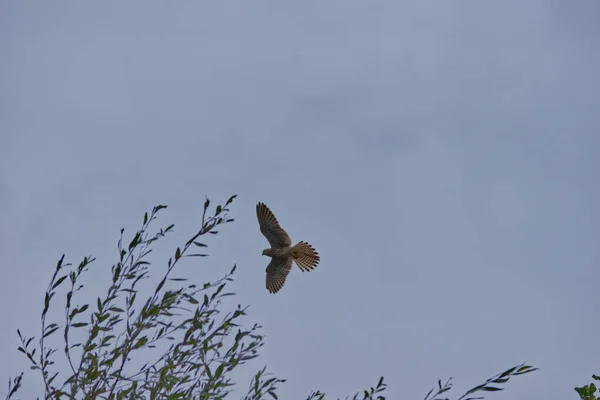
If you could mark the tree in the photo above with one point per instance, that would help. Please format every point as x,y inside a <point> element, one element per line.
<point>177,344</point>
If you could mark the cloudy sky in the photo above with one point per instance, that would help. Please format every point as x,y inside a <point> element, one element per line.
<point>440,156</point>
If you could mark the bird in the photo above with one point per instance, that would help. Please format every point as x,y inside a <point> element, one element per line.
<point>282,255</point>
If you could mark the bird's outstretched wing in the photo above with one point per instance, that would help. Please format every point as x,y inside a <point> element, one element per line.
<point>269,227</point>
<point>277,271</point>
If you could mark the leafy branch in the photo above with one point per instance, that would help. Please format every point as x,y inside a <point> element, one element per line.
<point>588,392</point>
<point>366,395</point>
<point>490,385</point>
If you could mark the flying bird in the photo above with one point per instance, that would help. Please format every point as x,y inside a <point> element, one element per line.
<point>282,255</point>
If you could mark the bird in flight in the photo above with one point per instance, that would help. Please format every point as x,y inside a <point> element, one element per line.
<point>282,255</point>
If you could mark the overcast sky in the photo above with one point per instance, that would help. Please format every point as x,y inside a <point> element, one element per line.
<point>440,156</point>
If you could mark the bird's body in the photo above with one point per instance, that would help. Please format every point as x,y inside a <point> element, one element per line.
<point>282,254</point>
<point>276,253</point>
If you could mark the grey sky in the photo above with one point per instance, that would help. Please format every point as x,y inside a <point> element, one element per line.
<point>440,156</point>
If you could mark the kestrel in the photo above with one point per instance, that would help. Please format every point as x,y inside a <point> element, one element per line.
<point>282,255</point>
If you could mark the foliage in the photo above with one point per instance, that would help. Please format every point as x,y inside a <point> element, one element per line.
<point>588,392</point>
<point>122,352</point>
<point>367,394</point>
<point>490,385</point>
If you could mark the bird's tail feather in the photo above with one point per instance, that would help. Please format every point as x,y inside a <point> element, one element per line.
<point>305,256</point>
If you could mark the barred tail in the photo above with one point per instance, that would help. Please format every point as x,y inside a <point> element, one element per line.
<point>305,256</point>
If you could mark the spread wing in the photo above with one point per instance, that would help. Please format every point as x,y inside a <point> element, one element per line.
<point>277,271</point>
<point>269,227</point>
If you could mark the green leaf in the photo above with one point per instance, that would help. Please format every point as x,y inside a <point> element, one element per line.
<point>77,311</point>
<point>141,342</point>
<point>508,372</point>
<point>116,272</point>
<point>134,241</point>
<point>59,264</point>
<point>525,369</point>
<point>219,371</point>
<point>230,199</point>
<point>158,208</point>
<point>51,331</point>
<point>160,285</point>
<point>47,299</point>
<point>59,281</point>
